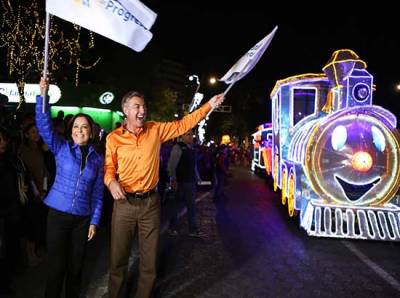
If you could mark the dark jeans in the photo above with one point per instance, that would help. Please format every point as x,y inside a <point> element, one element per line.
<point>34,216</point>
<point>66,244</point>
<point>9,250</point>
<point>186,194</point>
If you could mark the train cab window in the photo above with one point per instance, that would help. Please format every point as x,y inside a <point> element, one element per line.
<point>264,138</point>
<point>303,103</point>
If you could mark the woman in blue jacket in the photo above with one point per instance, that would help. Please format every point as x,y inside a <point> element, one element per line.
<point>75,200</point>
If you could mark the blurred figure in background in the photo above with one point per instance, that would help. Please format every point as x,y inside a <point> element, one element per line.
<point>221,171</point>
<point>32,152</point>
<point>183,173</point>
<point>13,196</point>
<point>164,181</point>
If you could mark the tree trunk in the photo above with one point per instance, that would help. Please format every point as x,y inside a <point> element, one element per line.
<point>21,89</point>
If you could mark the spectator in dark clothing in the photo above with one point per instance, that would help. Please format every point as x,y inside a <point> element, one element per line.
<point>32,152</point>
<point>67,123</point>
<point>183,172</point>
<point>221,171</point>
<point>163,182</point>
<point>59,126</point>
<point>60,115</point>
<point>12,195</point>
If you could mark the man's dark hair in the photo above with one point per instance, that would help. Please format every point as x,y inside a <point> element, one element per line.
<point>128,96</point>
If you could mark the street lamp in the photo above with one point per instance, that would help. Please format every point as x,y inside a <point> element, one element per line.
<point>212,80</point>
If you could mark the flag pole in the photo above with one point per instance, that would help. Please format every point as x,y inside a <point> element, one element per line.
<point>46,58</point>
<point>229,87</point>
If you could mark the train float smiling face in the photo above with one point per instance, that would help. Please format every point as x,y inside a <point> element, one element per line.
<point>356,159</point>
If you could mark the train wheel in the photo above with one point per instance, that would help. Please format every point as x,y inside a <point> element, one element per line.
<point>284,187</point>
<point>275,176</point>
<point>291,198</point>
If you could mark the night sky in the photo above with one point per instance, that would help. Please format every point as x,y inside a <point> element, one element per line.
<point>210,37</point>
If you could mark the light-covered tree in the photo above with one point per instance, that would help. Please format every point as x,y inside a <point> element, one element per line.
<point>22,34</point>
<point>162,105</point>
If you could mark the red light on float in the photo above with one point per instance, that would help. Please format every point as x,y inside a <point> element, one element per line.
<point>361,161</point>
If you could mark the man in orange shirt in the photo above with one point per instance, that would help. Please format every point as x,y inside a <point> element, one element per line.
<point>131,174</point>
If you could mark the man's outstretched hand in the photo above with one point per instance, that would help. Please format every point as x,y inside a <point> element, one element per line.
<point>216,100</point>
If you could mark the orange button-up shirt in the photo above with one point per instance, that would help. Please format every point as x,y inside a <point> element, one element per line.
<point>135,160</point>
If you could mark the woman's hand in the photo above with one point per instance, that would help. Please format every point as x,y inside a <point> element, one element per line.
<point>44,86</point>
<point>92,232</point>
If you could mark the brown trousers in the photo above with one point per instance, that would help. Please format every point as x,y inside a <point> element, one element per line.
<point>127,215</point>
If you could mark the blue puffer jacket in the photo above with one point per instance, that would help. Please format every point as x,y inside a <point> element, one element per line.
<point>73,191</point>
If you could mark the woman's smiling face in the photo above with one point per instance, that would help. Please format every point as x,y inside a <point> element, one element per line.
<point>81,131</point>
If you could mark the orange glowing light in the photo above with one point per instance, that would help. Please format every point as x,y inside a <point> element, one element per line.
<point>361,161</point>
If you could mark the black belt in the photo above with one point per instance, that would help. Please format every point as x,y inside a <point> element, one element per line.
<point>138,196</point>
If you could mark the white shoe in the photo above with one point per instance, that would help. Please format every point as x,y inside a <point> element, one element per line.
<point>196,234</point>
<point>172,232</point>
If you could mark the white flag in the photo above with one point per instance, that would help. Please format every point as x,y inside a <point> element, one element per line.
<point>125,21</point>
<point>144,14</point>
<point>248,61</point>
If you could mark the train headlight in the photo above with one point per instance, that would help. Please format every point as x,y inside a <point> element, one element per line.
<point>361,91</point>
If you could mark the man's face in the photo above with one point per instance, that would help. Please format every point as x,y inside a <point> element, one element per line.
<point>135,111</point>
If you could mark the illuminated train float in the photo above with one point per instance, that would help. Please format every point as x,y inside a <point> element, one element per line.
<point>262,145</point>
<point>335,156</point>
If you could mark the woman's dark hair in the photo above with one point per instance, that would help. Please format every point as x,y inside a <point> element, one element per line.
<point>71,123</point>
<point>27,127</point>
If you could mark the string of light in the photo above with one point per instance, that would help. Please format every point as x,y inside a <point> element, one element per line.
<point>22,40</point>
